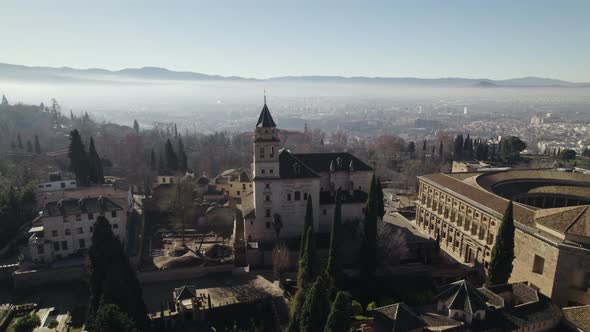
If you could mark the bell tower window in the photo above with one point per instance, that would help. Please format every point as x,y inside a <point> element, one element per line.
<point>261,153</point>
<point>272,151</point>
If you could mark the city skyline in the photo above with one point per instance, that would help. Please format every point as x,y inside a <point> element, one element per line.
<point>424,39</point>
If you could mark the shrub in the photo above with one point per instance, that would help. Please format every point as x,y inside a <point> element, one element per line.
<point>357,308</point>
<point>27,323</point>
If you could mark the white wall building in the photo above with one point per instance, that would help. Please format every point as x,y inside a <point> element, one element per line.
<point>64,228</point>
<point>283,181</point>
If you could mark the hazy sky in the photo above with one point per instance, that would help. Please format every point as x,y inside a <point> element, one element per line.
<point>438,38</point>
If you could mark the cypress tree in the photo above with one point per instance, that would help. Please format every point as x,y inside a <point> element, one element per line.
<point>20,141</point>
<point>4,101</point>
<point>316,307</point>
<point>29,147</point>
<point>182,159</point>
<point>79,164</point>
<point>340,313</point>
<point>37,145</point>
<point>458,148</point>
<point>171,158</point>
<point>308,223</point>
<point>305,276</point>
<point>500,267</point>
<point>380,199</point>
<point>369,244</point>
<point>96,170</point>
<point>161,162</point>
<point>440,150</point>
<point>153,165</point>
<point>136,126</point>
<point>332,267</point>
<point>110,318</point>
<point>112,279</point>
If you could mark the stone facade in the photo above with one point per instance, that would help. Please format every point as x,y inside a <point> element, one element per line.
<point>551,245</point>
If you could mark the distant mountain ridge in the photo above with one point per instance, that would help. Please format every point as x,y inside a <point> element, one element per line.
<point>67,74</point>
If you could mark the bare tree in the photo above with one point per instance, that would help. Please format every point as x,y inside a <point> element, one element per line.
<point>280,260</point>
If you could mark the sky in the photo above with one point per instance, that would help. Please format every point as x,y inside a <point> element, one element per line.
<point>422,38</point>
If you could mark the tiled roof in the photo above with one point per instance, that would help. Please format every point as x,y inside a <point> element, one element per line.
<point>492,201</point>
<point>460,295</point>
<point>578,316</point>
<point>265,119</point>
<point>520,293</point>
<point>401,316</point>
<point>564,220</point>
<point>337,161</point>
<point>438,322</point>
<point>79,206</point>
<point>184,293</point>
<point>492,298</point>
<point>290,167</point>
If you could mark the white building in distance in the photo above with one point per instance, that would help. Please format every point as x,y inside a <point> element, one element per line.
<point>64,228</point>
<point>284,180</point>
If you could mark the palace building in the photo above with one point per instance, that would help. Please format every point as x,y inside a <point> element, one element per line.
<point>283,181</point>
<point>551,216</point>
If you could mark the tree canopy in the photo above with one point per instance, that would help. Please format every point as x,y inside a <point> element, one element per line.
<point>510,148</point>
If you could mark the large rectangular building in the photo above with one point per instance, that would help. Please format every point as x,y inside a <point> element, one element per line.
<point>552,219</point>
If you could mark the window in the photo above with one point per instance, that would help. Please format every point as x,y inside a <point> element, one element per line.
<point>538,264</point>
<point>272,152</point>
<point>288,197</point>
<point>90,216</point>
<point>262,171</point>
<point>82,243</point>
<point>78,217</point>
<point>261,153</point>
<point>56,246</point>
<point>267,198</point>
<point>80,230</point>
<point>63,184</point>
<point>115,226</point>
<point>325,212</point>
<point>54,233</point>
<point>91,229</point>
<point>297,195</point>
<point>267,224</point>
<point>243,186</point>
<point>271,171</point>
<point>163,180</point>
<point>267,185</point>
<point>238,193</point>
<point>267,213</point>
<point>305,196</point>
<point>68,232</point>
<point>114,214</point>
<point>40,250</point>
<point>64,245</point>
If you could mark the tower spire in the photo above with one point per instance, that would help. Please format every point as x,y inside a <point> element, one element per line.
<point>264,96</point>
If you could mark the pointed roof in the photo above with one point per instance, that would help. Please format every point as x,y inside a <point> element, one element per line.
<point>265,119</point>
<point>460,295</point>
<point>398,318</point>
<point>184,292</point>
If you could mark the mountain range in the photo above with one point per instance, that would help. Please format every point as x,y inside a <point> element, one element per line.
<point>130,75</point>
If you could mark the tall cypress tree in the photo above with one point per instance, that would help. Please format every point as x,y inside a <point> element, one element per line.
<point>305,276</point>
<point>112,279</point>
<point>153,165</point>
<point>440,151</point>
<point>79,164</point>
<point>182,159</point>
<point>37,145</point>
<point>316,307</point>
<point>339,318</point>
<point>307,224</point>
<point>369,244</point>
<point>171,158</point>
<point>500,267</point>
<point>458,148</point>
<point>96,170</point>
<point>136,126</point>
<point>380,199</point>
<point>20,141</point>
<point>333,267</point>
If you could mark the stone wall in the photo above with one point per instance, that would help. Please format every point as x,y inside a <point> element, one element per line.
<point>146,277</point>
<point>36,278</point>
